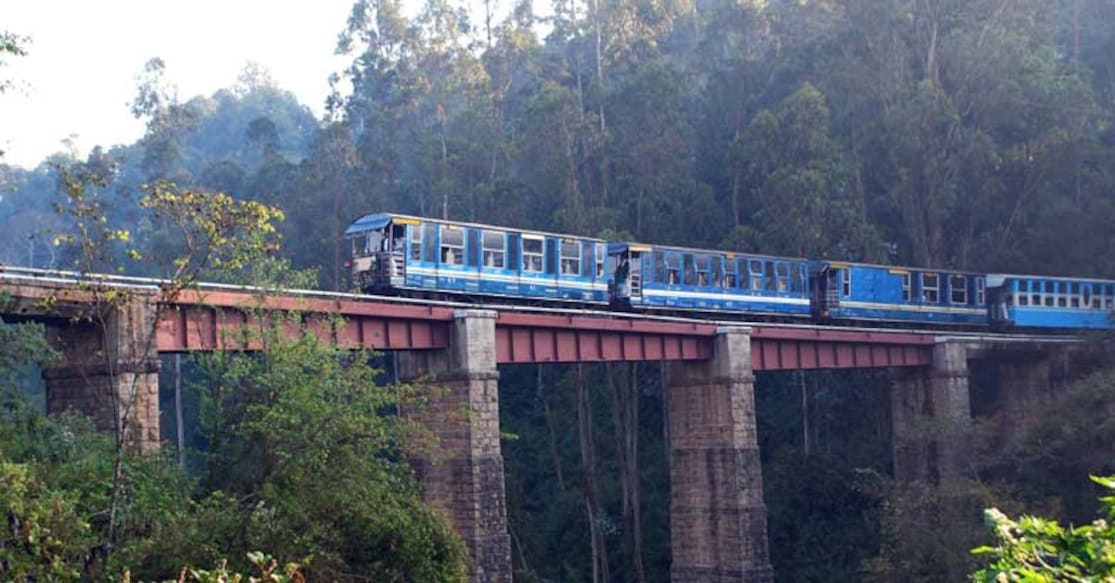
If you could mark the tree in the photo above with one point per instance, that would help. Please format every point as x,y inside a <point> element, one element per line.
<point>1040,550</point>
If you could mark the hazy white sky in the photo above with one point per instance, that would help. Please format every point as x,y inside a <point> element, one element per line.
<point>84,56</point>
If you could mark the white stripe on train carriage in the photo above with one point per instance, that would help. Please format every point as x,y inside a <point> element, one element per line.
<point>522,280</point>
<point>911,307</point>
<point>724,296</point>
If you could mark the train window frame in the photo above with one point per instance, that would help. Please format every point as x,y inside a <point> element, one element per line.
<point>448,245</point>
<point>1023,299</point>
<point>569,257</point>
<point>494,249</point>
<point>755,276</point>
<point>587,259</point>
<point>415,239</point>
<point>782,276</point>
<point>688,269</point>
<point>601,256</point>
<point>533,261</point>
<point>960,291</point>
<point>673,268</point>
<point>981,292</point>
<point>703,265</point>
<point>931,294</point>
<point>429,243</point>
<point>798,278</point>
<point>660,266</point>
<point>906,286</point>
<point>731,274</point>
<point>770,280</point>
<point>846,282</point>
<point>1086,295</point>
<point>716,269</point>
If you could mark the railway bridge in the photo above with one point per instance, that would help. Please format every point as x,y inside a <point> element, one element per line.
<point>717,515</point>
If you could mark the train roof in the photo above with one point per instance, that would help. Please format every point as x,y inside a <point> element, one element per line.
<point>377,221</point>
<point>1051,277</point>
<point>625,245</point>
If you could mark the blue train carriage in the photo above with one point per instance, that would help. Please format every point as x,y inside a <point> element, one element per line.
<point>856,291</point>
<point>395,253</point>
<point>677,278</point>
<point>1028,301</point>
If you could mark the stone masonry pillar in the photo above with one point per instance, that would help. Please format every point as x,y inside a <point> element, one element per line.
<point>464,476</point>
<point>930,411</point>
<point>109,371</point>
<point>718,522</point>
<point>1024,386</point>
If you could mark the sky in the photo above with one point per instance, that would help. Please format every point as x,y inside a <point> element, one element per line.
<point>80,73</point>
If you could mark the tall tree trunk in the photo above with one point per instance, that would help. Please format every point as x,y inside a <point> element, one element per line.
<point>632,457</point>
<point>181,431</point>
<point>554,453</point>
<point>806,440</point>
<point>588,478</point>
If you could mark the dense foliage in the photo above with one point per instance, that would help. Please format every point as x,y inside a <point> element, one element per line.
<point>1040,550</point>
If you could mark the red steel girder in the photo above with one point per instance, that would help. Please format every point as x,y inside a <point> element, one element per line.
<point>532,337</point>
<point>218,320</point>
<point>775,354</point>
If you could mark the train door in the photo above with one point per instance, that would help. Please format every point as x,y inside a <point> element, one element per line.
<point>627,279</point>
<point>827,285</point>
<point>392,261</point>
<point>999,301</point>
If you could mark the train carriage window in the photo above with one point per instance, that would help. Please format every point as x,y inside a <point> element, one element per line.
<point>1035,293</point>
<point>797,278</point>
<point>731,277</point>
<point>906,286</point>
<point>689,270</point>
<point>958,289</point>
<point>429,238</point>
<point>930,288</point>
<point>717,270</point>
<point>587,259</point>
<point>495,249</point>
<point>570,257</point>
<point>601,254</point>
<point>981,292</point>
<point>673,266</point>
<point>702,263</point>
<point>415,243</point>
<point>755,267</point>
<point>1023,300</point>
<point>1109,296</point>
<point>783,279</point>
<point>1062,291</point>
<point>769,278</point>
<point>1087,299</point>
<point>1074,297</point>
<point>532,254</point>
<point>452,245</point>
<point>659,267</point>
<point>846,286</point>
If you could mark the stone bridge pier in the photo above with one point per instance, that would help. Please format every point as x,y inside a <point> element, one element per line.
<point>718,522</point>
<point>932,407</point>
<point>463,475</point>
<point>109,370</point>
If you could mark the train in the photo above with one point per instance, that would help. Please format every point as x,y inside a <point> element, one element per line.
<point>398,254</point>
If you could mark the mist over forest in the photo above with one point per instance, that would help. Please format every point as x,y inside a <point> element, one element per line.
<point>952,134</point>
